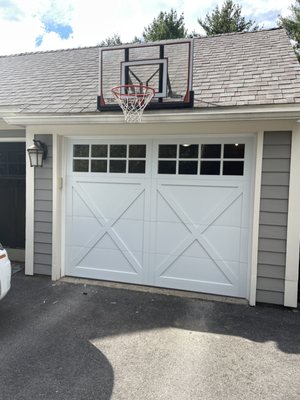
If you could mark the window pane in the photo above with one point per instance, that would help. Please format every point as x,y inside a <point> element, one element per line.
<point>210,168</point>
<point>81,150</point>
<point>211,151</point>
<point>99,150</point>
<point>137,151</point>
<point>233,167</point>
<point>234,150</point>
<point>3,156</point>
<point>99,166</point>
<point>14,169</point>
<point>118,150</point>
<point>188,167</point>
<point>16,157</point>
<point>137,166</point>
<point>117,166</point>
<point>190,151</point>
<point>167,167</point>
<point>81,165</point>
<point>167,151</point>
<point>3,169</point>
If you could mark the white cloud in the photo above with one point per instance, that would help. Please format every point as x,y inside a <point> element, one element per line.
<point>93,21</point>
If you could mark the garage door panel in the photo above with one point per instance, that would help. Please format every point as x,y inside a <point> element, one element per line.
<point>244,245</point>
<point>231,214</point>
<point>112,234</point>
<point>196,250</point>
<point>77,206</point>
<point>82,229</point>
<point>226,240</point>
<point>168,235</point>
<point>131,232</point>
<point>242,287</point>
<point>110,259</point>
<point>164,213</point>
<point>109,275</point>
<point>112,200</point>
<point>161,228</point>
<point>194,269</point>
<point>199,205</point>
<point>106,242</point>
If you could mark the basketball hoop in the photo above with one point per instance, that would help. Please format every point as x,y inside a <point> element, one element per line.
<point>133,99</point>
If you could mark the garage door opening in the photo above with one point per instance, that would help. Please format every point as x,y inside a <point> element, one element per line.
<point>12,199</point>
<point>160,213</point>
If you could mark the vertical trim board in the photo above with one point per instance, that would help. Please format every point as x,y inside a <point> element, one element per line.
<point>293,226</point>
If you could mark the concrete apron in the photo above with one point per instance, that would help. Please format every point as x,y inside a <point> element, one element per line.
<point>151,289</point>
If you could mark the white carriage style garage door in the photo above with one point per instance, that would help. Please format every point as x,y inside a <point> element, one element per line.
<point>169,213</point>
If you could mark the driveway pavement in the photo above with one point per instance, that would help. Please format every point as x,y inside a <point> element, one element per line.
<point>70,342</point>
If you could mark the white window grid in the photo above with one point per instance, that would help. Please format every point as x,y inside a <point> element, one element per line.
<point>198,159</point>
<point>108,158</point>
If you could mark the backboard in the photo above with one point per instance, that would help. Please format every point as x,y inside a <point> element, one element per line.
<point>164,66</point>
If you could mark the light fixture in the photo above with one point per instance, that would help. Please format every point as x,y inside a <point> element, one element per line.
<point>37,153</point>
<point>186,145</point>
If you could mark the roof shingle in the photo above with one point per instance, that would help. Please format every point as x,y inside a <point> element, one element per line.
<point>239,69</point>
<point>245,69</point>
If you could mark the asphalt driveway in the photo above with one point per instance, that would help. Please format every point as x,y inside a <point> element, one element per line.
<point>66,341</point>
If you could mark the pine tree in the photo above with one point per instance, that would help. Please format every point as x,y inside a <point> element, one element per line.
<point>114,40</point>
<point>166,26</point>
<point>292,26</point>
<point>228,19</point>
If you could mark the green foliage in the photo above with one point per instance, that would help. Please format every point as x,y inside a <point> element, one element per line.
<point>114,40</point>
<point>292,25</point>
<point>166,26</point>
<point>228,19</point>
<point>137,39</point>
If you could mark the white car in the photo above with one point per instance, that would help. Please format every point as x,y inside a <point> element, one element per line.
<point>5,272</point>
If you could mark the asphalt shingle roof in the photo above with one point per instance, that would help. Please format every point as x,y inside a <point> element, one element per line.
<point>55,81</point>
<point>246,69</point>
<point>229,70</point>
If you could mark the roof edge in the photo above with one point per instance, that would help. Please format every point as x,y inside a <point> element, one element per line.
<point>291,112</point>
<point>137,44</point>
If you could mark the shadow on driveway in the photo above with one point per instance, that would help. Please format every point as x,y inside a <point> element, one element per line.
<point>49,334</point>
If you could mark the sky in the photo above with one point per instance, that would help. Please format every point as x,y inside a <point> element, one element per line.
<point>31,25</point>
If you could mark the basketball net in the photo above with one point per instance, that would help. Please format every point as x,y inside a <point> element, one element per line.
<point>133,99</point>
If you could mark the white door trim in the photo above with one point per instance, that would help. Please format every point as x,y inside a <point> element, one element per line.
<point>293,226</point>
<point>57,207</point>
<point>255,217</point>
<point>29,231</point>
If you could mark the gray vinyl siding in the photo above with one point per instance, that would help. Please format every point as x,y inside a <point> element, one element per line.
<point>43,213</point>
<point>273,217</point>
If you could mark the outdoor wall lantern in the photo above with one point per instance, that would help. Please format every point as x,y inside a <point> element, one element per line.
<point>37,153</point>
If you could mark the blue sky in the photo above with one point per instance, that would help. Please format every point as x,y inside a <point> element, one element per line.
<point>30,25</point>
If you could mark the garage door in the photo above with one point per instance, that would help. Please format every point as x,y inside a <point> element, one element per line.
<point>162,213</point>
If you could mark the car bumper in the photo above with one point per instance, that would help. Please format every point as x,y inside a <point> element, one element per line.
<point>5,277</point>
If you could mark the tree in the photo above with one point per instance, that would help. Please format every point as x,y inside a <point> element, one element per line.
<point>114,40</point>
<point>292,26</point>
<point>228,19</point>
<point>166,26</point>
<point>137,39</point>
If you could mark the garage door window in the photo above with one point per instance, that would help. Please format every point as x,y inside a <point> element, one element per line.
<point>109,158</point>
<point>205,159</point>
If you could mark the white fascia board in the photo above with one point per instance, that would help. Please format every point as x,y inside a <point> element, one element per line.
<point>253,113</point>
